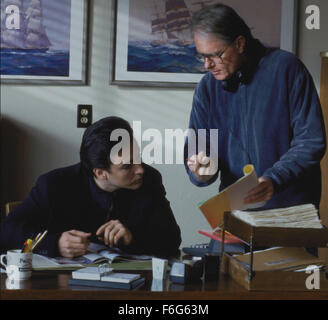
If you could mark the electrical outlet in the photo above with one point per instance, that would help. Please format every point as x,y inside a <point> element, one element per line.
<point>84,115</point>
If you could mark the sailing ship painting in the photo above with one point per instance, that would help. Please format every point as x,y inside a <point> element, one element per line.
<point>160,39</point>
<point>31,41</point>
<point>168,44</point>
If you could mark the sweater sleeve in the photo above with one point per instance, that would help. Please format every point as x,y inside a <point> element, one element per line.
<point>199,136</point>
<point>308,141</point>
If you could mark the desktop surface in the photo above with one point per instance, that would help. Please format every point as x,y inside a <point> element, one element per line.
<point>54,286</point>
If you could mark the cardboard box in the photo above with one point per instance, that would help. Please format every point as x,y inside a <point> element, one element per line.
<point>271,280</point>
<point>267,270</point>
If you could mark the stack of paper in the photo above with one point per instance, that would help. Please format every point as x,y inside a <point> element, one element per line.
<point>302,216</point>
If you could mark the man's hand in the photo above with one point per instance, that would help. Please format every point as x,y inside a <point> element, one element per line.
<point>202,167</point>
<point>263,192</point>
<point>73,243</point>
<point>112,231</point>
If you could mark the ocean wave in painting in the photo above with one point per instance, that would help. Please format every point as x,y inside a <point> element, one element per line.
<point>147,57</point>
<point>34,62</point>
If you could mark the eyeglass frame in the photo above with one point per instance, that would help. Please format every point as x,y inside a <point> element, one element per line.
<point>210,56</point>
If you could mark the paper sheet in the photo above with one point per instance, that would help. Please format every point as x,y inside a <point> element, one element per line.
<point>40,262</point>
<point>300,216</point>
<point>231,198</point>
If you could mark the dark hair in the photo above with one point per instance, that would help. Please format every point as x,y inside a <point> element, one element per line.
<point>96,143</point>
<point>221,21</point>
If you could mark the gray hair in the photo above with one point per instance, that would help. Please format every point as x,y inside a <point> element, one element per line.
<point>221,21</point>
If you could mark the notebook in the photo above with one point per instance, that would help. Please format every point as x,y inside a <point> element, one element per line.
<point>107,284</point>
<point>120,277</point>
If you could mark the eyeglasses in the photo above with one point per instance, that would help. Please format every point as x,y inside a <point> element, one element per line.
<point>211,56</point>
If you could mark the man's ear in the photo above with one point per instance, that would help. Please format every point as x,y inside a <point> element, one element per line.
<point>99,173</point>
<point>240,44</point>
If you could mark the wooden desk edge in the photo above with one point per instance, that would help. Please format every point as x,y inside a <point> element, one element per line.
<point>165,295</point>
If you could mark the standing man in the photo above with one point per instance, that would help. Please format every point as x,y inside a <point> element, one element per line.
<point>266,109</point>
<point>109,196</point>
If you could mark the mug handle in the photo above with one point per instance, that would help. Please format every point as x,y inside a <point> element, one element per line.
<point>2,257</point>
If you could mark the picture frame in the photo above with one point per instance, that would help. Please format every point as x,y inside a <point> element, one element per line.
<point>44,42</point>
<point>128,26</point>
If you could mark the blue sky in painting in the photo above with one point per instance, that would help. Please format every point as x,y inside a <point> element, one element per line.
<point>57,15</point>
<point>56,19</point>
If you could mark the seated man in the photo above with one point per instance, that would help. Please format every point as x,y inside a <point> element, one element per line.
<point>104,198</point>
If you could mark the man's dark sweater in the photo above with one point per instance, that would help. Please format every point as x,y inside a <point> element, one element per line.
<point>67,198</point>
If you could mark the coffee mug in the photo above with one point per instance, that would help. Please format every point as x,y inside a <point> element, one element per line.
<point>12,284</point>
<point>18,265</point>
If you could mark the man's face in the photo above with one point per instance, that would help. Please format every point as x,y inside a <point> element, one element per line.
<point>125,172</point>
<point>127,176</point>
<point>220,58</point>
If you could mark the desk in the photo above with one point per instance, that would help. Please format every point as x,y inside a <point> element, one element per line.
<point>54,286</point>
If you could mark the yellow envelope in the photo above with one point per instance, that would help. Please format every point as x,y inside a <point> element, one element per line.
<point>231,198</point>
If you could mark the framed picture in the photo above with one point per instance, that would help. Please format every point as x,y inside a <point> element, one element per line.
<point>43,41</point>
<point>153,44</point>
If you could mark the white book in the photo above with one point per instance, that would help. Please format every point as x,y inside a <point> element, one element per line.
<point>120,277</point>
<point>89,273</point>
<point>99,253</point>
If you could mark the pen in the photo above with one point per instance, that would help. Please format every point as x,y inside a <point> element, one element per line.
<point>29,243</point>
<point>37,237</point>
<point>38,241</point>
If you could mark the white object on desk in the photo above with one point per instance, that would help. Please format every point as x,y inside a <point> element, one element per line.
<point>18,264</point>
<point>120,277</point>
<point>90,273</point>
<point>40,262</point>
<point>157,285</point>
<point>159,268</point>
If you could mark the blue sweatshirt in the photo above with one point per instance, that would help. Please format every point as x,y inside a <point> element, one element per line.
<point>271,117</point>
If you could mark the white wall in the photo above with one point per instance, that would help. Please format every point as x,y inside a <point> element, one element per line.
<point>312,42</point>
<point>39,122</point>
